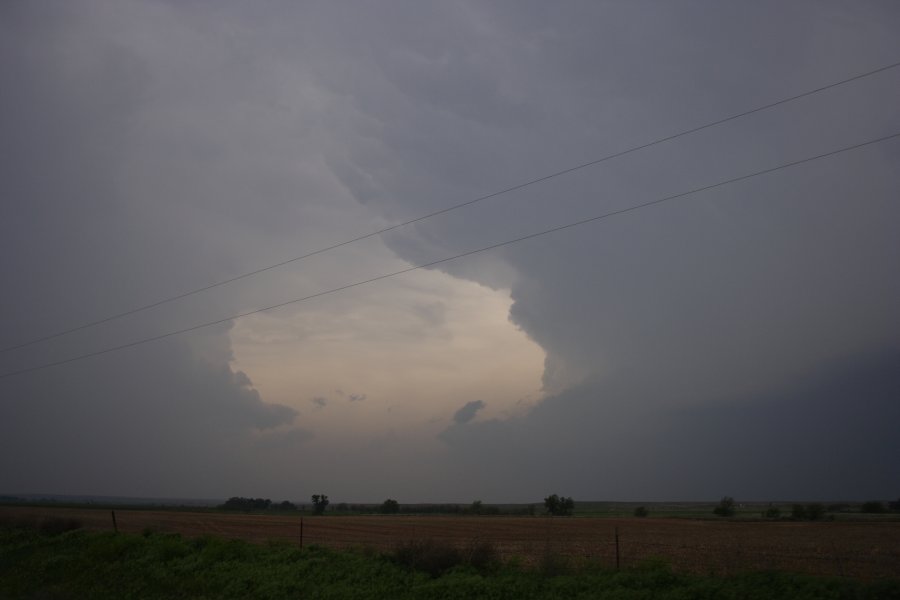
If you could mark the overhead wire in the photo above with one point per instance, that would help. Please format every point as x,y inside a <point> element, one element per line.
<point>596,218</point>
<point>448,209</point>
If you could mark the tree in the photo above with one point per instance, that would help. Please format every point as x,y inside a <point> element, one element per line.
<point>809,512</point>
<point>476,507</point>
<point>559,505</point>
<point>873,506</point>
<point>815,511</point>
<point>246,504</point>
<point>641,511</point>
<point>320,503</point>
<point>773,512</point>
<point>725,507</point>
<point>389,507</point>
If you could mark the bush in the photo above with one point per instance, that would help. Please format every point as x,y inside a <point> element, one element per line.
<point>554,564</point>
<point>428,556</point>
<point>56,526</point>
<point>641,511</point>
<point>389,507</point>
<point>436,558</point>
<point>772,513</point>
<point>483,555</point>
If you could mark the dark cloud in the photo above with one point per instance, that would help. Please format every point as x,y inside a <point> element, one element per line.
<point>827,434</point>
<point>738,341</point>
<point>468,411</point>
<point>709,303</point>
<point>356,397</point>
<point>319,402</point>
<point>157,418</point>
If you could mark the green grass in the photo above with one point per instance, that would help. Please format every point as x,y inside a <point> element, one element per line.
<point>81,564</point>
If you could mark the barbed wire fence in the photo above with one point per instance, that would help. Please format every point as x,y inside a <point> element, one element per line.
<point>710,547</point>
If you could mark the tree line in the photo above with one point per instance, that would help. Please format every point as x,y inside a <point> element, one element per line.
<point>553,505</point>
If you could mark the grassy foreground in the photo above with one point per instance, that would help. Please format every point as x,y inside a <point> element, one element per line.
<point>80,564</point>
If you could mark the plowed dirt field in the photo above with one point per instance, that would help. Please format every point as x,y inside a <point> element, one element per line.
<point>866,550</point>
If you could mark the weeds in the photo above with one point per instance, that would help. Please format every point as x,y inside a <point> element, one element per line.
<point>47,526</point>
<point>84,564</point>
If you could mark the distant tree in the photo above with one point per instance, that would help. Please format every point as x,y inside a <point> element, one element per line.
<point>559,505</point>
<point>641,511</point>
<point>476,507</point>
<point>772,512</point>
<point>808,512</point>
<point>246,504</point>
<point>234,503</point>
<point>872,507</point>
<point>725,507</point>
<point>285,505</point>
<point>342,507</point>
<point>389,507</point>
<point>815,511</point>
<point>320,503</point>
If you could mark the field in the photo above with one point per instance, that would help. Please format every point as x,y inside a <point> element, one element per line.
<point>862,550</point>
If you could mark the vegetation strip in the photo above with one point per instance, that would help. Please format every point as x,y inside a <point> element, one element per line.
<point>57,562</point>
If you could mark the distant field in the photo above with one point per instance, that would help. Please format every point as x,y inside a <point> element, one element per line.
<point>865,550</point>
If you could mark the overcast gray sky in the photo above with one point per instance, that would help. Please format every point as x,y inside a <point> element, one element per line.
<point>743,340</point>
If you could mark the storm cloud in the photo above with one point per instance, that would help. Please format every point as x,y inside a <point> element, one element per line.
<point>468,411</point>
<point>742,340</point>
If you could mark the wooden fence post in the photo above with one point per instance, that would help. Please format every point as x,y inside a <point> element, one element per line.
<point>115,526</point>
<point>617,548</point>
<point>301,532</point>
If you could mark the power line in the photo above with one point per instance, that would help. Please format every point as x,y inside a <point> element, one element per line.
<point>455,257</point>
<point>448,209</point>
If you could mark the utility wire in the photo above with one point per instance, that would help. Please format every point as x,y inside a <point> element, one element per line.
<point>455,257</point>
<point>449,209</point>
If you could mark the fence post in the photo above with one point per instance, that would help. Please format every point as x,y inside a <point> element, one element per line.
<point>301,532</point>
<point>617,548</point>
<point>115,526</point>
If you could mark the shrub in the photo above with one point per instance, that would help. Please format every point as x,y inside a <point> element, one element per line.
<point>428,556</point>
<point>436,558</point>
<point>56,526</point>
<point>641,511</point>
<point>483,555</point>
<point>554,564</point>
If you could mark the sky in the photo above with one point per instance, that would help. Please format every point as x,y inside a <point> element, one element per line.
<point>742,340</point>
